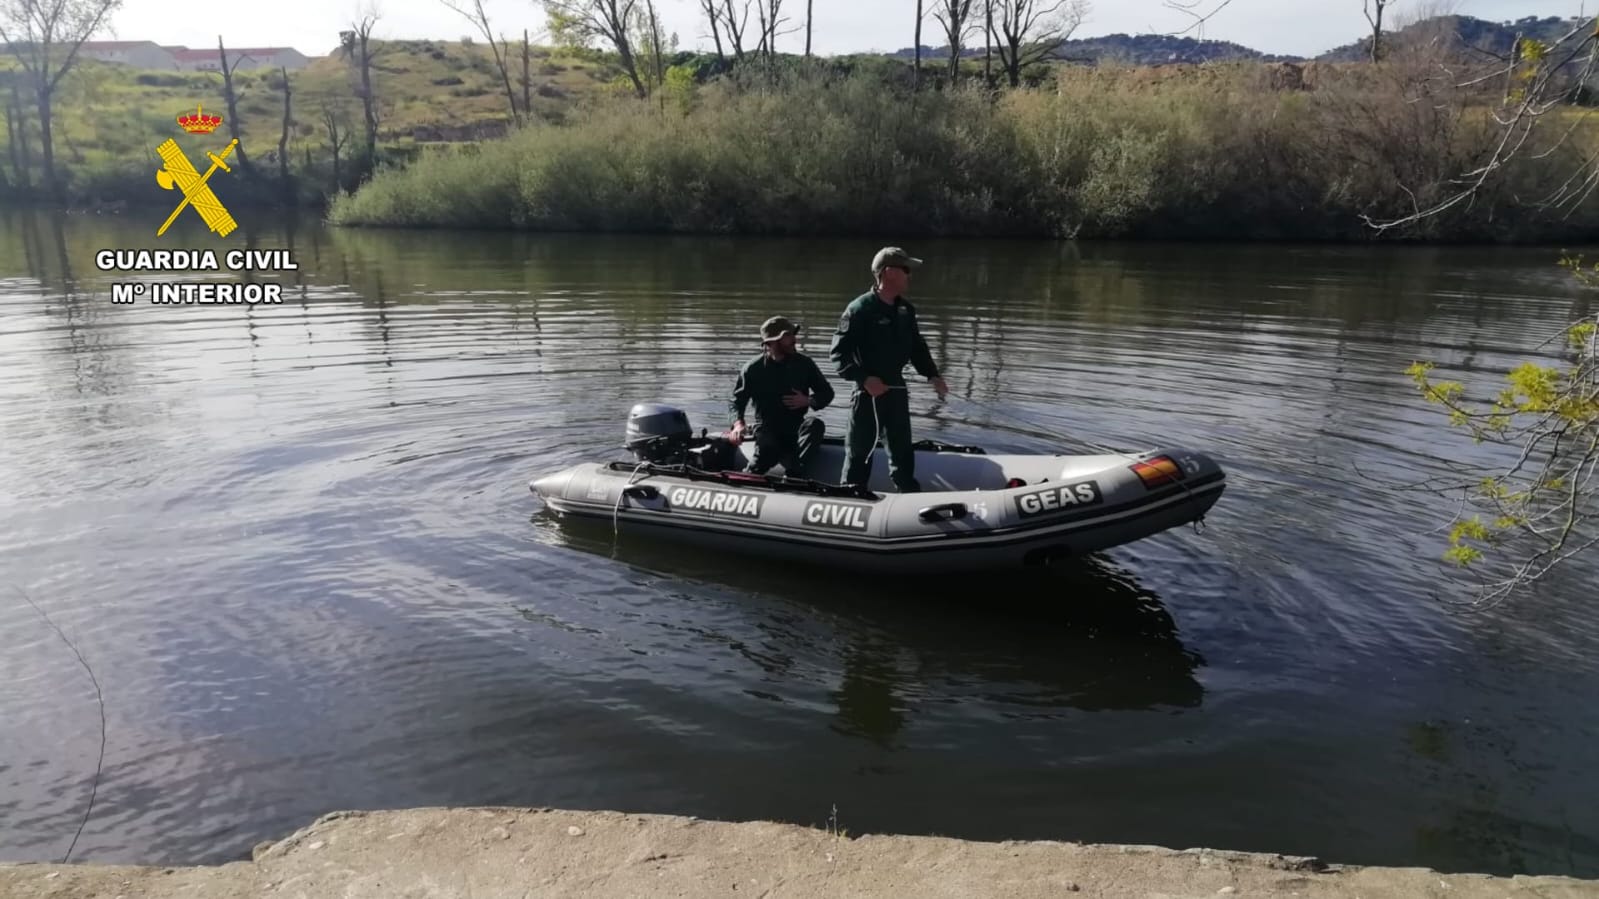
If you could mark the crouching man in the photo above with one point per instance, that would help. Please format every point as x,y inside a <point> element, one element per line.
<point>782,384</point>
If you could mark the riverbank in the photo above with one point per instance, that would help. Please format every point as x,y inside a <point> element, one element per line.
<point>493,852</point>
<point>1222,154</point>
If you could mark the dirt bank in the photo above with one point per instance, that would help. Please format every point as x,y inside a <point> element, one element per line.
<point>483,853</point>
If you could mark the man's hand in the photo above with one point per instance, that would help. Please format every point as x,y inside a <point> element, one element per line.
<point>875,386</point>
<point>941,387</point>
<point>735,435</point>
<point>797,399</point>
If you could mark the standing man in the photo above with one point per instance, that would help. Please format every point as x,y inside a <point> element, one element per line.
<point>876,338</point>
<point>782,383</point>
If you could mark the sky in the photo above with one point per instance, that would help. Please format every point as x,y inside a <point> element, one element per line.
<point>1293,27</point>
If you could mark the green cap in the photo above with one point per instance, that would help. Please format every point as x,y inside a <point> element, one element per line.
<point>893,256</point>
<point>776,327</point>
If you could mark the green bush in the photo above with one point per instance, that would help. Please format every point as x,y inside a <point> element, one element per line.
<point>845,149</point>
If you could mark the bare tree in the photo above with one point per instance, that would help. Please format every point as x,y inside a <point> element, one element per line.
<point>580,21</point>
<point>359,47</point>
<point>916,44</point>
<point>769,15</point>
<point>283,135</point>
<point>333,120</point>
<point>44,36</point>
<point>17,132</point>
<point>955,16</point>
<point>474,12</point>
<point>231,99</point>
<point>1381,6</point>
<point>12,126</point>
<point>988,43</point>
<point>1031,31</point>
<point>1187,8</point>
<point>713,16</point>
<point>736,25</point>
<point>650,47</point>
<point>808,18</point>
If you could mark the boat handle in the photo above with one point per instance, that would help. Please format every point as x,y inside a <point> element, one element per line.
<point>935,513</point>
<point>641,491</point>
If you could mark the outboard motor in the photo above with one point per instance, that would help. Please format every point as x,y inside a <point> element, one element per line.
<point>657,432</point>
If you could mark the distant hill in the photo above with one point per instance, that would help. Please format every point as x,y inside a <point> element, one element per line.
<point>1136,50</point>
<point>1160,49</point>
<point>1472,33</point>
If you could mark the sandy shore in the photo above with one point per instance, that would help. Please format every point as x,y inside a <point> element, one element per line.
<point>490,853</point>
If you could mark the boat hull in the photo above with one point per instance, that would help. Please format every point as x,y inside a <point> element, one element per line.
<point>965,519</point>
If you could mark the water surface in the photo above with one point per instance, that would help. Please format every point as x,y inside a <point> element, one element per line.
<point>297,547</point>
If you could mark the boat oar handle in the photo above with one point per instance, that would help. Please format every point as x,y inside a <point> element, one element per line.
<point>942,512</point>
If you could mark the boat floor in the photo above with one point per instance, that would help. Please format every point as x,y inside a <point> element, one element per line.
<point>946,470</point>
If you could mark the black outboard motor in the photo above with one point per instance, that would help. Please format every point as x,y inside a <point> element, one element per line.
<point>658,433</point>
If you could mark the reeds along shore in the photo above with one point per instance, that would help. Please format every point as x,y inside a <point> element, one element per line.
<point>1215,152</point>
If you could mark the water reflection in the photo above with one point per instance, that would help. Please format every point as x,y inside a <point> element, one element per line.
<point>1033,644</point>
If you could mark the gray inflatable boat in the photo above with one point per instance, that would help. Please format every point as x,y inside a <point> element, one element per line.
<point>976,511</point>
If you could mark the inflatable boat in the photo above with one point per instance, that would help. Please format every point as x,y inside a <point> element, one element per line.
<point>976,511</point>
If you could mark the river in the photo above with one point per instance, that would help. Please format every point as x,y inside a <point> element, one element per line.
<point>296,546</point>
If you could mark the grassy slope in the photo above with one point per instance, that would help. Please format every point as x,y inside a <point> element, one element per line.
<point>111,118</point>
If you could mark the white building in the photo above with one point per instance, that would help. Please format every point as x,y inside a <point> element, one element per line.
<point>138,54</point>
<point>150,55</point>
<point>239,59</point>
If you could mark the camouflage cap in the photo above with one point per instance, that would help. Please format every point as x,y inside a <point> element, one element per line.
<point>888,256</point>
<point>776,327</point>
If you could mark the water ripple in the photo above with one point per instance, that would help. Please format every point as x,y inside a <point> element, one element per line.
<point>297,545</point>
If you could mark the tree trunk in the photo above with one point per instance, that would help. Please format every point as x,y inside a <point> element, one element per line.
<point>367,107</point>
<point>338,171</point>
<point>955,43</point>
<point>916,73</point>
<point>1376,30</point>
<point>283,139</point>
<point>11,140</point>
<point>24,154</point>
<point>808,28</point>
<point>502,59</point>
<point>47,145</point>
<point>988,44</point>
<point>630,64</point>
<point>527,81</point>
<point>716,31</point>
<point>233,111</point>
<point>12,125</point>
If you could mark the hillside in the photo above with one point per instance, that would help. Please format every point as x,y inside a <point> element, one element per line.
<point>1469,33</point>
<point>1124,49</point>
<point>1160,49</point>
<point>110,118</point>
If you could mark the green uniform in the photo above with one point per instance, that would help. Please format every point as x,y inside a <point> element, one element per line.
<point>878,338</point>
<point>782,435</point>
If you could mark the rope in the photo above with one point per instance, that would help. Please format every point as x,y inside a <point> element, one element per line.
<point>616,511</point>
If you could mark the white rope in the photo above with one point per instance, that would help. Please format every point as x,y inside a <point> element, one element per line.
<point>616,511</point>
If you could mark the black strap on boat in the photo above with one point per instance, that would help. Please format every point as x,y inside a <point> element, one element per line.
<point>935,446</point>
<point>747,479</point>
